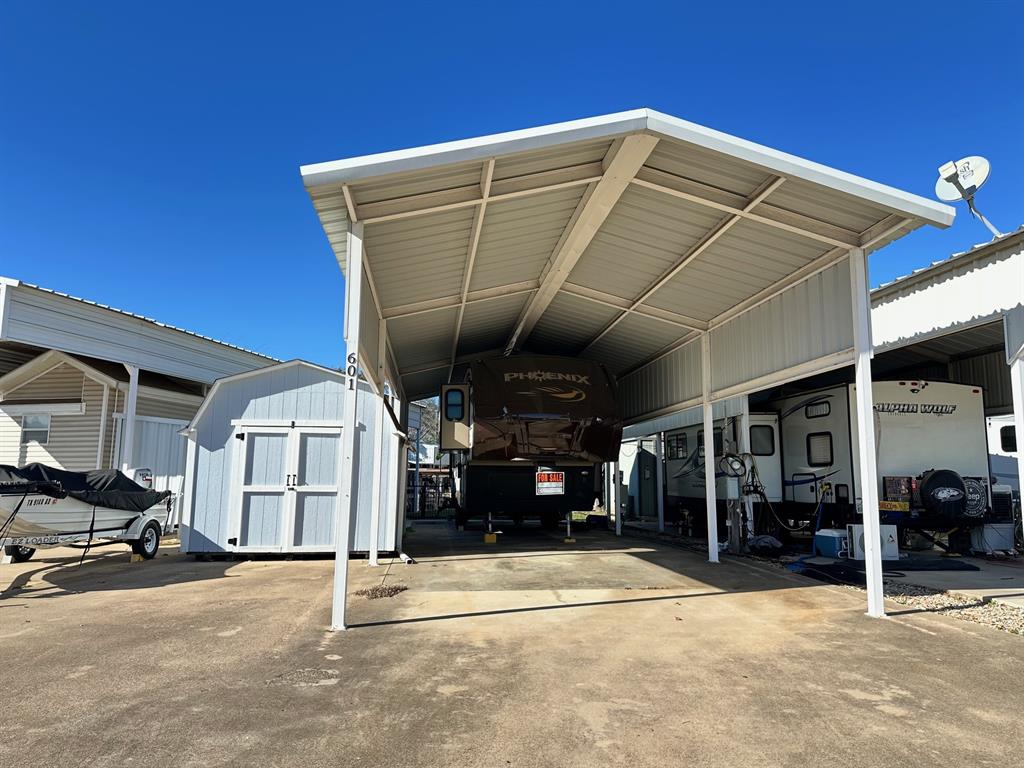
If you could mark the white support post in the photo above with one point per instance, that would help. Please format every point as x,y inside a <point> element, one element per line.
<point>617,497</point>
<point>128,423</point>
<point>710,496</point>
<point>659,474</point>
<point>1017,387</point>
<point>378,447</point>
<point>348,501</point>
<point>866,431</point>
<point>744,446</point>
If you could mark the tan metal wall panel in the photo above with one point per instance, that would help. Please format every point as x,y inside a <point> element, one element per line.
<point>670,380</point>
<point>811,320</point>
<point>990,372</point>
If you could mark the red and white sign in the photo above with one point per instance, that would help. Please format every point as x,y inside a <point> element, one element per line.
<point>550,483</point>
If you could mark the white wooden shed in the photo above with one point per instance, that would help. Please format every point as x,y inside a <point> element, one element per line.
<point>264,474</point>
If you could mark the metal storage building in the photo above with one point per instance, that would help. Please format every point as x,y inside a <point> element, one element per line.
<point>697,266</point>
<point>103,387</point>
<point>263,472</point>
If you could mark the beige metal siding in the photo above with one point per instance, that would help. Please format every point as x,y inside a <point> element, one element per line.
<point>990,372</point>
<point>668,381</point>
<point>73,438</point>
<point>164,409</point>
<point>811,320</point>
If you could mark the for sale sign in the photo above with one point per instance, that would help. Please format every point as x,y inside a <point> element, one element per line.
<point>550,483</point>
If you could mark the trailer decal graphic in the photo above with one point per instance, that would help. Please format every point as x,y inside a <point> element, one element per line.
<point>899,409</point>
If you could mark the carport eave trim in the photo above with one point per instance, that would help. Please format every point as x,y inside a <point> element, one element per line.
<point>618,124</point>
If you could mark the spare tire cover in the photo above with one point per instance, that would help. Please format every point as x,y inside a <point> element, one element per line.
<point>943,493</point>
<point>977,498</point>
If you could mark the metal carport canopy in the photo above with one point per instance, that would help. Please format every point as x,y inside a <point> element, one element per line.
<point>695,265</point>
<point>617,238</point>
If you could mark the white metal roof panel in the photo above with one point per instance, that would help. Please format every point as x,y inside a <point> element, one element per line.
<point>518,236</point>
<point>419,258</point>
<point>570,323</point>
<point>643,237</point>
<point>632,341</point>
<point>487,324</point>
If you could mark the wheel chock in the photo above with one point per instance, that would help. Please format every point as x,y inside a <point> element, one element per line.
<point>569,540</point>
<point>490,538</point>
<point>136,558</point>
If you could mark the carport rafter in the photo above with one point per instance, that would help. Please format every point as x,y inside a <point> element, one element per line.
<point>486,177</point>
<point>766,187</point>
<point>735,204</point>
<point>469,196</point>
<point>623,161</point>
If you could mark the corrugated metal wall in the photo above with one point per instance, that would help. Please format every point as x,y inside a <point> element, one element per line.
<point>990,372</point>
<point>671,380</point>
<point>811,320</point>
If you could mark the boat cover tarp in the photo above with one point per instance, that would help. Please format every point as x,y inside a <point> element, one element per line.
<point>101,487</point>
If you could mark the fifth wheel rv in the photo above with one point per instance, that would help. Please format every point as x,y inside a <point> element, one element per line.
<point>933,471</point>
<point>527,436</point>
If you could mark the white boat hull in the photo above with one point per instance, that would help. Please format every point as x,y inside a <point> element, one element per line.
<point>44,520</point>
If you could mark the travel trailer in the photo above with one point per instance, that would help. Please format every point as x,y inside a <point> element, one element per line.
<point>933,471</point>
<point>528,435</point>
<point>1002,452</point>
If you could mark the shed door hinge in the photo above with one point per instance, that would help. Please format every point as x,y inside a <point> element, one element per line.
<point>240,436</point>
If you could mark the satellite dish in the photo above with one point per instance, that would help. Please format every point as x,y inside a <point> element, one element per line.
<point>961,181</point>
<point>971,172</point>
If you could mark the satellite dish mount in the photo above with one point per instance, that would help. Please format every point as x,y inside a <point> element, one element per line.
<point>961,181</point>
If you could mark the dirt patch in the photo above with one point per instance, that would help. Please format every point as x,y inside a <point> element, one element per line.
<point>381,590</point>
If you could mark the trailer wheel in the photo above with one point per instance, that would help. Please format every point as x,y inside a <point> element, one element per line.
<point>20,554</point>
<point>148,542</point>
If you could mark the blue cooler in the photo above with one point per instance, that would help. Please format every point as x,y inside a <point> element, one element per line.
<point>831,542</point>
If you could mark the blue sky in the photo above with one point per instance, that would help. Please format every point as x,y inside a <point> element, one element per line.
<point>149,152</point>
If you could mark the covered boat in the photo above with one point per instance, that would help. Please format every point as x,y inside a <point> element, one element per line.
<point>44,506</point>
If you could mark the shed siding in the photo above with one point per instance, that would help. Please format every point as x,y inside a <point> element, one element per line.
<point>299,393</point>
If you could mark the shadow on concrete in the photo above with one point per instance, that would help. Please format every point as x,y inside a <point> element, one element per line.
<point>66,572</point>
<point>529,609</point>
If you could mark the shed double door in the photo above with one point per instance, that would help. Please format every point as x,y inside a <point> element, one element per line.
<point>287,491</point>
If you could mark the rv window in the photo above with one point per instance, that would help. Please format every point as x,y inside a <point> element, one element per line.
<point>762,440</point>
<point>819,449</point>
<point>454,405</point>
<point>35,428</point>
<point>817,410</point>
<point>677,447</point>
<point>1008,439</point>
<point>719,450</point>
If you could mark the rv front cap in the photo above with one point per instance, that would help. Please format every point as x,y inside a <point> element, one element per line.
<point>574,378</point>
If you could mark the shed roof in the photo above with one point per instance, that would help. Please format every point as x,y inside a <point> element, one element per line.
<point>616,238</point>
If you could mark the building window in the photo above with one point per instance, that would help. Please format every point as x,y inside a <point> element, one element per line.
<point>454,405</point>
<point>819,449</point>
<point>762,440</point>
<point>1008,439</point>
<point>35,428</point>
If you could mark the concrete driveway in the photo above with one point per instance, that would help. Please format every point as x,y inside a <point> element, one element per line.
<point>535,653</point>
